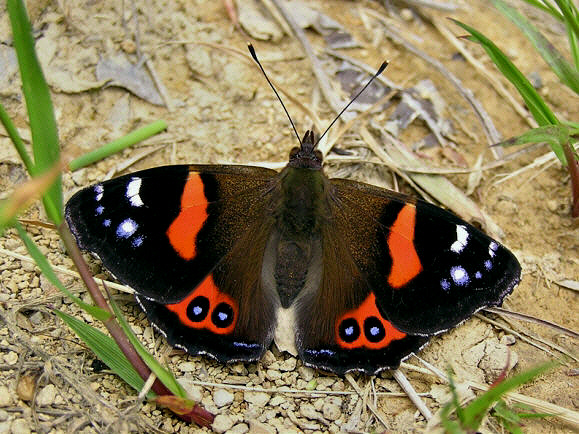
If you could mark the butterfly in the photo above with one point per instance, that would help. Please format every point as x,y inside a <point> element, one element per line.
<point>217,253</point>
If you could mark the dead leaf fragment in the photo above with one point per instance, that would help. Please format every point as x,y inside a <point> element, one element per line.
<point>122,73</point>
<point>26,386</point>
<point>257,21</point>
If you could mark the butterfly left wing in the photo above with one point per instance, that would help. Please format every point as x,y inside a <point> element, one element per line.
<point>190,240</point>
<point>395,271</point>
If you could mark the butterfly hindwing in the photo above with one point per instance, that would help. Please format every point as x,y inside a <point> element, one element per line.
<point>175,234</point>
<point>339,327</point>
<point>230,315</point>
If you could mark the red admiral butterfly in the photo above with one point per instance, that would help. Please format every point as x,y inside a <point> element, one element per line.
<point>216,252</point>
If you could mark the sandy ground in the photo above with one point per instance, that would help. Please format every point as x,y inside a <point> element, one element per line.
<point>219,109</point>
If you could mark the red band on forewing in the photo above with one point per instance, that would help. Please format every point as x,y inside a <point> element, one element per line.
<point>405,261</point>
<point>366,310</point>
<point>183,231</point>
<point>207,289</point>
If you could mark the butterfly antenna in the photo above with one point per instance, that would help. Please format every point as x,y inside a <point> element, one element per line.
<point>252,52</point>
<point>380,71</point>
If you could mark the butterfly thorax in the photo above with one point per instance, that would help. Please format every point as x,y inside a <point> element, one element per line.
<point>296,243</point>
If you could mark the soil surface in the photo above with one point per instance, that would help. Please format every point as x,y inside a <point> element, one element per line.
<point>219,109</point>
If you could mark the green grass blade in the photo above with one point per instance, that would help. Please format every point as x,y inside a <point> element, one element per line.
<point>49,273</point>
<point>107,350</point>
<point>16,139</point>
<point>39,105</point>
<point>569,11</point>
<point>552,134</point>
<point>547,8</point>
<point>563,69</point>
<point>573,46</point>
<point>162,374</point>
<point>118,145</point>
<point>476,410</point>
<point>540,111</point>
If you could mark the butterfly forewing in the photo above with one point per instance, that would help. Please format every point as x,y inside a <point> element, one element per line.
<point>172,224</point>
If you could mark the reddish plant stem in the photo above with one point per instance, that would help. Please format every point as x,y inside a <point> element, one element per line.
<point>573,165</point>
<point>111,324</point>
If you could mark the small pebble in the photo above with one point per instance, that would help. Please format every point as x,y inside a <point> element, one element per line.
<point>3,416</point>
<point>20,426</point>
<point>11,358</point>
<point>168,425</point>
<point>309,412</point>
<point>277,400</point>
<point>306,373</point>
<point>5,397</point>
<point>406,14</point>
<point>222,397</point>
<point>240,428</point>
<point>222,423</point>
<point>272,375</point>
<point>331,411</point>
<point>129,46</point>
<point>36,318</point>
<point>46,396</point>
<point>187,367</point>
<point>288,365</point>
<point>256,427</point>
<point>535,79</point>
<point>552,205</point>
<point>259,399</point>
<point>194,392</point>
<point>508,340</point>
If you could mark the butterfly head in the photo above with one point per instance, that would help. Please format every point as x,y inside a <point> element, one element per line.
<point>306,156</point>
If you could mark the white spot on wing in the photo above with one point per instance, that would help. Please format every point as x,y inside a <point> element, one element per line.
<point>126,228</point>
<point>133,188</point>
<point>492,249</point>
<point>461,239</point>
<point>99,190</point>
<point>459,275</point>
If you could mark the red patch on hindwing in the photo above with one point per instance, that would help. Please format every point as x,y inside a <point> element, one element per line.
<point>365,327</point>
<point>183,231</point>
<point>405,261</point>
<point>207,308</point>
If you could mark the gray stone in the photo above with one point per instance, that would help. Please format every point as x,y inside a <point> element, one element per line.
<point>46,396</point>
<point>20,426</point>
<point>5,397</point>
<point>222,423</point>
<point>240,428</point>
<point>331,411</point>
<point>259,399</point>
<point>222,397</point>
